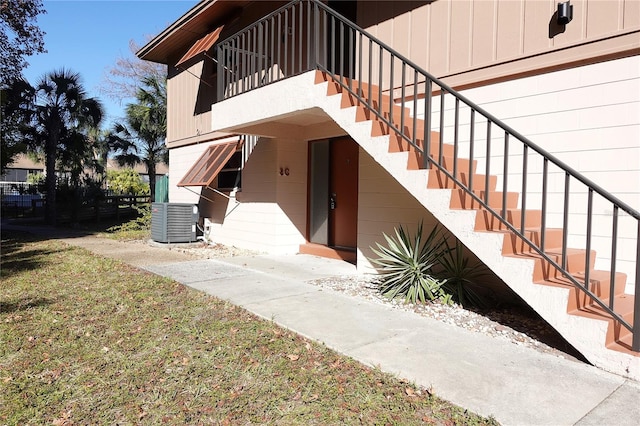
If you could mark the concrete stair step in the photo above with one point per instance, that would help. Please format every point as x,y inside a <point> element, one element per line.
<point>334,87</point>
<point>460,199</point>
<point>618,338</point>
<point>513,244</point>
<point>485,221</point>
<point>544,271</point>
<point>600,285</point>
<point>399,144</point>
<point>478,181</point>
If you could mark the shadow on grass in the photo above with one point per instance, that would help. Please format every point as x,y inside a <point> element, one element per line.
<point>33,230</point>
<point>23,260</point>
<point>18,257</point>
<point>23,304</point>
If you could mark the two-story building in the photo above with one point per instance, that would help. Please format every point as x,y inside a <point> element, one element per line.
<point>317,126</point>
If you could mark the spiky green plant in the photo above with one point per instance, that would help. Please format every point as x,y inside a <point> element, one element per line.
<point>406,265</point>
<point>460,278</point>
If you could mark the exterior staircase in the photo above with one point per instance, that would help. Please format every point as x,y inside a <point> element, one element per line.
<point>615,341</point>
<point>587,306</point>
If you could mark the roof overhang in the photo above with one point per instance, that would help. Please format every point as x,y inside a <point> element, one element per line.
<point>178,37</point>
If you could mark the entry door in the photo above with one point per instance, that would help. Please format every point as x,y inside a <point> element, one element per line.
<point>333,201</point>
<point>343,193</point>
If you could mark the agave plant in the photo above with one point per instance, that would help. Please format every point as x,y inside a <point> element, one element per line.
<point>460,277</point>
<point>406,265</point>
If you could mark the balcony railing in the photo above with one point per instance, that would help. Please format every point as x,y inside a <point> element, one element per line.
<point>307,35</point>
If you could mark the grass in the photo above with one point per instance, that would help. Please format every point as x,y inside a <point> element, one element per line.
<point>128,235</point>
<point>88,340</point>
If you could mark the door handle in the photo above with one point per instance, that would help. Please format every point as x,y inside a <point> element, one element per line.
<point>332,202</point>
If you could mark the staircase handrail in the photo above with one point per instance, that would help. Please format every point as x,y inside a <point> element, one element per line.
<point>601,191</point>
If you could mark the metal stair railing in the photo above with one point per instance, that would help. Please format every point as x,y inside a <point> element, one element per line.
<point>307,35</point>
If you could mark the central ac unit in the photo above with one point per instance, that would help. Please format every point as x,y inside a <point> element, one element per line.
<point>173,222</point>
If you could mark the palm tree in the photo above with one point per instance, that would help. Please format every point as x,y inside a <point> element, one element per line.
<point>15,104</point>
<point>100,143</point>
<point>142,135</point>
<point>61,112</point>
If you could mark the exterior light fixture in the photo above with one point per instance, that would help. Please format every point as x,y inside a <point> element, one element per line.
<point>565,13</point>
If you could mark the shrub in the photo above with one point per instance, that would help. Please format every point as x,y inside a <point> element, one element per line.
<point>126,181</point>
<point>37,179</point>
<point>429,270</point>
<point>406,265</point>
<point>460,277</point>
<point>136,228</point>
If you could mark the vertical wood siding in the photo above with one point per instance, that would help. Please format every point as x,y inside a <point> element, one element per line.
<point>182,119</point>
<point>453,37</point>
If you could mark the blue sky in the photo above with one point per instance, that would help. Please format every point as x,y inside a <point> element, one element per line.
<point>88,36</point>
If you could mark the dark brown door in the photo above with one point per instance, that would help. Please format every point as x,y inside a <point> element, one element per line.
<point>343,193</point>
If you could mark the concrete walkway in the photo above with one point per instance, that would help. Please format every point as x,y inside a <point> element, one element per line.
<point>492,377</point>
<point>518,386</point>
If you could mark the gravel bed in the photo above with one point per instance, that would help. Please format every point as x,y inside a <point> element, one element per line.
<point>517,324</point>
<point>213,251</point>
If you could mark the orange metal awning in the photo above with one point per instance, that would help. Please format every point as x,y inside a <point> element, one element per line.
<point>202,45</point>
<point>205,170</point>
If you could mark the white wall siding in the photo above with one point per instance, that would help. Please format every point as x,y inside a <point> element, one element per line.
<point>587,117</point>
<point>180,161</point>
<point>383,204</point>
<point>291,226</point>
<point>269,213</point>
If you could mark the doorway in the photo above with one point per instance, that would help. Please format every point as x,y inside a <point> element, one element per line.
<point>333,194</point>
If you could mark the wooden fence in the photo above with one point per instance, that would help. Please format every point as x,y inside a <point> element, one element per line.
<point>110,207</point>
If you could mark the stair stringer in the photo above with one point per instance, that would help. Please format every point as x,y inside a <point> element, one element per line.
<point>587,335</point>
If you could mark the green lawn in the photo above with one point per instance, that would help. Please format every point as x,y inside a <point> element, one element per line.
<point>88,340</point>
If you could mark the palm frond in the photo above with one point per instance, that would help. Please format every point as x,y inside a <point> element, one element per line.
<point>405,263</point>
<point>460,278</point>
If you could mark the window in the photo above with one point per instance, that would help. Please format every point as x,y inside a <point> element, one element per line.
<point>230,177</point>
<point>211,162</point>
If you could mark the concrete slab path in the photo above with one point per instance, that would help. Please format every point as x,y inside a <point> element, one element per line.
<point>516,385</point>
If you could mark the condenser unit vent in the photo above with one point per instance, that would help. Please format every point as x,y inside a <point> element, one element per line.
<point>173,222</point>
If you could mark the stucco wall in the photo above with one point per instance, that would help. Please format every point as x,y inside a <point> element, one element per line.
<point>383,204</point>
<point>269,213</point>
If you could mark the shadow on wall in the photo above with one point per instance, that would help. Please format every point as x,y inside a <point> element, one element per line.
<point>386,10</point>
<point>556,28</point>
<point>213,205</point>
<point>263,183</point>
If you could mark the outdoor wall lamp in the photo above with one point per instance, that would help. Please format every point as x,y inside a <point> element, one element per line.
<point>565,13</point>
